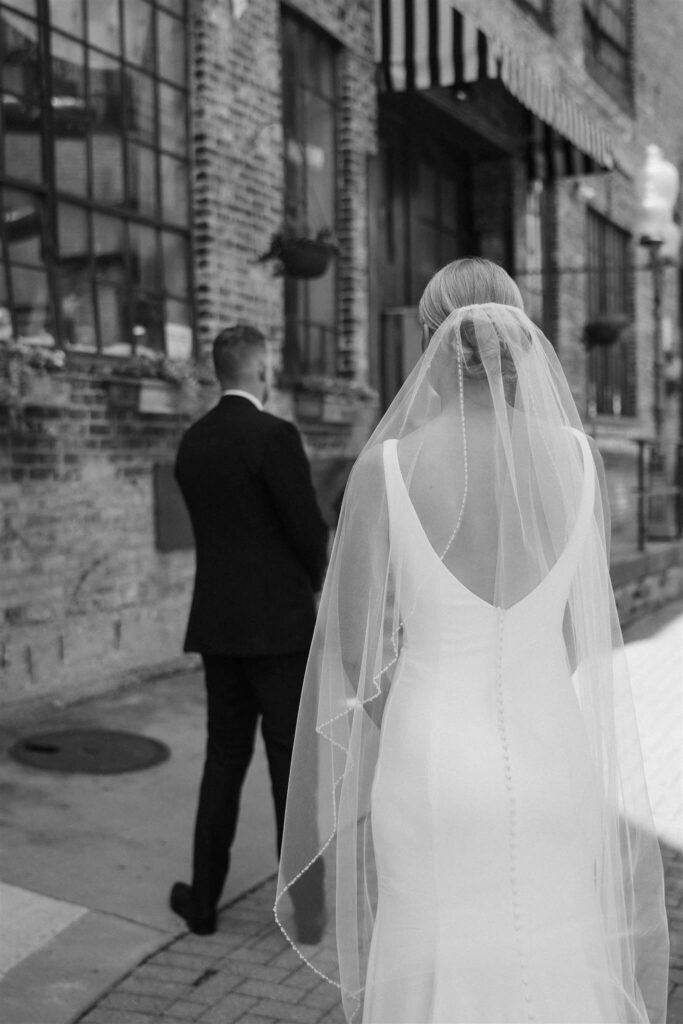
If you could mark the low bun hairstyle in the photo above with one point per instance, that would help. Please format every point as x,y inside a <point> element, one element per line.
<point>468,282</point>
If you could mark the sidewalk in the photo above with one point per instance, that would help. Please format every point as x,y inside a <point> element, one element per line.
<point>111,953</point>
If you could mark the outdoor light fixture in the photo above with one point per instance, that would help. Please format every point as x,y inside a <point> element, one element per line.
<point>658,185</point>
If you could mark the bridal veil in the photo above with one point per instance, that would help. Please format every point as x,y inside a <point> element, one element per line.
<point>486,428</point>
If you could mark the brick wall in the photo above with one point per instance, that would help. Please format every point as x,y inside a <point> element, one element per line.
<point>86,596</point>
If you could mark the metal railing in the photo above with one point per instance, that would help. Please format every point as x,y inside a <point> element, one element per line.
<point>659,491</point>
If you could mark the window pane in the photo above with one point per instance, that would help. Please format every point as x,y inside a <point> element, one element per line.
<point>67,15</point>
<point>104,29</point>
<point>72,234</point>
<point>109,248</point>
<point>172,118</point>
<point>107,168</point>
<point>317,65</point>
<point>32,306</point>
<point>171,51</point>
<point>21,96</point>
<point>142,186</point>
<point>147,318</point>
<point>139,33</point>
<point>106,98</point>
<point>175,263</point>
<point>145,266</point>
<point>140,120</point>
<point>178,330</point>
<point>111,313</point>
<point>174,186</point>
<point>22,216</point>
<point>320,164</point>
<point>77,310</point>
<point>75,285</point>
<point>70,115</point>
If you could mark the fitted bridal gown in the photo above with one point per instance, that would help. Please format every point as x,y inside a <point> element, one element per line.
<point>484,809</point>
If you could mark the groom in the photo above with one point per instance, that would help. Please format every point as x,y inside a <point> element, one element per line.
<point>261,545</point>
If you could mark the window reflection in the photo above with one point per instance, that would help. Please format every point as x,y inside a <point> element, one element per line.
<point>70,113</point>
<point>139,33</point>
<point>104,30</point>
<point>67,15</point>
<point>142,184</point>
<point>172,118</point>
<point>175,263</point>
<point>74,279</point>
<point>140,119</point>
<point>171,50</point>
<point>144,256</point>
<point>21,96</point>
<point>117,142</point>
<point>147,319</point>
<point>174,185</point>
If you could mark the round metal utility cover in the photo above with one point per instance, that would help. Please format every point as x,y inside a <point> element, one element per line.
<point>93,751</point>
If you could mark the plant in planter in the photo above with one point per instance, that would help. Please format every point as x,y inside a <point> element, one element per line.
<point>298,253</point>
<point>605,330</point>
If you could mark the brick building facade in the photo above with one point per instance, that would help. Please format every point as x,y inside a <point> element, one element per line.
<point>266,118</point>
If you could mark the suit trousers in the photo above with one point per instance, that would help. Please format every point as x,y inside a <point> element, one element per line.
<point>239,691</point>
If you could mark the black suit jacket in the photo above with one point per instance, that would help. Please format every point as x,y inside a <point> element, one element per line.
<point>261,541</point>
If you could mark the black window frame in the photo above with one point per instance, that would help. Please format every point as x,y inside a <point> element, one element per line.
<point>309,347</point>
<point>50,198</point>
<point>600,39</point>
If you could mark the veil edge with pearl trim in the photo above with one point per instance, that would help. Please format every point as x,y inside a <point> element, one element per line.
<point>485,430</point>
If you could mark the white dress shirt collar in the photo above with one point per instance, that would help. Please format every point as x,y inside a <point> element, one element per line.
<point>238,393</point>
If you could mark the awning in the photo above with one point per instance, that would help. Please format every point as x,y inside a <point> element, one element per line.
<point>424,44</point>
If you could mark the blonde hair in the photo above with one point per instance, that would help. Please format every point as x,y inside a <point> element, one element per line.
<point>468,282</point>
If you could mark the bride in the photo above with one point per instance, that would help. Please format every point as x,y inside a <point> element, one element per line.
<point>466,764</point>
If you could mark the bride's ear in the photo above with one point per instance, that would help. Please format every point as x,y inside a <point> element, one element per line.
<point>426,335</point>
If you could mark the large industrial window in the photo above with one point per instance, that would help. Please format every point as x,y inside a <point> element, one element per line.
<point>310,129</point>
<point>94,175</point>
<point>609,299</point>
<point>607,42</point>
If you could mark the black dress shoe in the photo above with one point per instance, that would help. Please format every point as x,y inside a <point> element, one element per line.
<point>181,904</point>
<point>310,929</point>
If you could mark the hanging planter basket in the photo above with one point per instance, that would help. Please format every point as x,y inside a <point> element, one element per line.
<point>305,258</point>
<point>300,256</point>
<point>605,330</point>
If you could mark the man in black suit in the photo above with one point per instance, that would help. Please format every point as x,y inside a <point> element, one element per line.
<point>261,546</point>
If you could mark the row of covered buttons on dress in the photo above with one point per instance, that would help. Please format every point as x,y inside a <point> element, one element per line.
<point>512,804</point>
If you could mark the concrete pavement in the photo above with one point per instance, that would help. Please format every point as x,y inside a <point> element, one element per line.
<point>91,860</point>
<point>86,861</point>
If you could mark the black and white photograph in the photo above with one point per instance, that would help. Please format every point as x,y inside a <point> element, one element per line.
<point>341,512</point>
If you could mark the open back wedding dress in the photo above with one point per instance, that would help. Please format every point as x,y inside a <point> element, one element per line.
<point>466,762</point>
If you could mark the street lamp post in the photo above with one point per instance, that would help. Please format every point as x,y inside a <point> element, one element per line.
<point>660,235</point>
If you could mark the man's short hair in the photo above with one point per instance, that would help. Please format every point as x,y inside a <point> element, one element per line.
<point>235,348</point>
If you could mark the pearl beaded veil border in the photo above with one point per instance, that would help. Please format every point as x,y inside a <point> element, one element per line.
<point>495,479</point>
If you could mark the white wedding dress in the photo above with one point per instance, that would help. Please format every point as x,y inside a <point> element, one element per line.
<point>484,809</point>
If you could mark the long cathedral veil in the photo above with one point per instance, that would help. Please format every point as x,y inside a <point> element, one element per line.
<point>486,432</point>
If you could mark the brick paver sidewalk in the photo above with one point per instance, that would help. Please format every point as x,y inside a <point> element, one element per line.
<point>248,974</point>
<point>245,973</point>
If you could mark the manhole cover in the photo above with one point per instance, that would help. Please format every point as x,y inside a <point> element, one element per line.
<point>95,751</point>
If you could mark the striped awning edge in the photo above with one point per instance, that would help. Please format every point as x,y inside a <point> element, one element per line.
<point>423,44</point>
